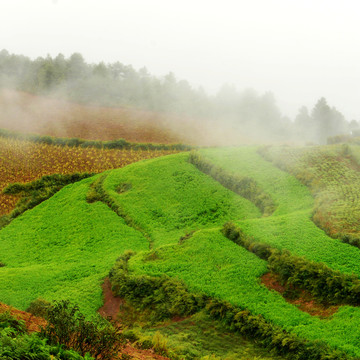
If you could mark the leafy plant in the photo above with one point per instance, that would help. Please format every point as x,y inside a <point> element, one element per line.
<point>66,325</point>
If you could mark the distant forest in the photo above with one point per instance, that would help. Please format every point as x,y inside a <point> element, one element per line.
<point>116,84</point>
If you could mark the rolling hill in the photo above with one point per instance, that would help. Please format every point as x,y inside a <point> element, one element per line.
<point>171,216</point>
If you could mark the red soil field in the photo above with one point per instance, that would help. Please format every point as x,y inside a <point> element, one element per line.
<point>24,112</point>
<point>42,115</point>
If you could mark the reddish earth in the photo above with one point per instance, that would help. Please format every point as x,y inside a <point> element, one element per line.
<point>148,354</point>
<point>111,308</point>
<point>112,304</point>
<point>304,301</point>
<point>32,322</point>
<point>25,112</point>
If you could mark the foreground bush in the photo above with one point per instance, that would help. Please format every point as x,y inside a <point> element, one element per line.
<point>163,296</point>
<point>67,326</point>
<point>17,344</point>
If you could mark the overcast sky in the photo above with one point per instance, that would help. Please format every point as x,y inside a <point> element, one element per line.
<point>300,50</point>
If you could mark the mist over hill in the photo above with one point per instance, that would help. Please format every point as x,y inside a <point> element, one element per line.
<point>228,115</point>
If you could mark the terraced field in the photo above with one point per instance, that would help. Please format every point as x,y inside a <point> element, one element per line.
<point>333,177</point>
<point>171,214</point>
<point>24,161</point>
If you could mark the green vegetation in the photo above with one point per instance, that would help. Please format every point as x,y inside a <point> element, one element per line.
<point>169,198</point>
<point>333,178</point>
<point>62,249</point>
<point>17,344</point>
<point>67,326</point>
<point>162,294</point>
<point>120,144</point>
<point>170,215</point>
<point>291,226</point>
<point>35,192</point>
<point>244,186</point>
<point>200,337</point>
<point>325,284</point>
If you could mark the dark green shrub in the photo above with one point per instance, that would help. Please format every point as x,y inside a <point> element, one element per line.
<point>112,144</point>
<point>39,307</point>
<point>66,325</point>
<point>271,336</point>
<point>117,144</point>
<point>73,142</point>
<point>164,297</point>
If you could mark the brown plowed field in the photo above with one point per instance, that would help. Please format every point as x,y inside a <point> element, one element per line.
<point>25,112</point>
<point>23,161</point>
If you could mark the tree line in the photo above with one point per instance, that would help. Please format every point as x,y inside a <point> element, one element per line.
<point>115,84</point>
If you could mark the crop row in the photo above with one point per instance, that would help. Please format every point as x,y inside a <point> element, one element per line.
<point>334,180</point>
<point>209,263</point>
<point>22,161</point>
<point>119,144</point>
<point>291,226</point>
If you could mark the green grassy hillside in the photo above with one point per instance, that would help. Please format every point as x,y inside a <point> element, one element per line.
<point>62,249</point>
<point>171,214</point>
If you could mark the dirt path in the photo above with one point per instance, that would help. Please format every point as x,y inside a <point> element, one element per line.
<point>112,304</point>
<point>111,309</point>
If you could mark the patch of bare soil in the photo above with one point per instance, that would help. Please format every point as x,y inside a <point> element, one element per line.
<point>300,298</point>
<point>111,309</point>
<point>112,304</point>
<point>33,323</point>
<point>147,354</point>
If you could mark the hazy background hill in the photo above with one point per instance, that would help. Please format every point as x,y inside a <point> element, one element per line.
<point>124,100</point>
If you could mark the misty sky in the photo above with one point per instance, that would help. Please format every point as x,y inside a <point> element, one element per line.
<point>298,49</point>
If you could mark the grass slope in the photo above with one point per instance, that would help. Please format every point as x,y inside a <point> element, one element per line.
<point>169,198</point>
<point>68,245</point>
<point>290,227</point>
<point>208,262</point>
<point>62,249</point>
<point>332,175</point>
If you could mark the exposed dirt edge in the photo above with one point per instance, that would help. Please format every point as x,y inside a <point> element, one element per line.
<point>300,298</point>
